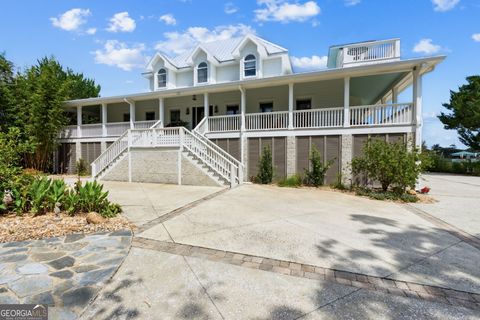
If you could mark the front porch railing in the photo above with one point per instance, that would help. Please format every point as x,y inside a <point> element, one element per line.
<point>318,118</point>
<point>381,115</point>
<point>370,115</point>
<point>113,129</point>
<point>267,120</point>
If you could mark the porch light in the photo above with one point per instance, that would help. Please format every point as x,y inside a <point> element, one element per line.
<point>187,112</point>
<point>194,98</point>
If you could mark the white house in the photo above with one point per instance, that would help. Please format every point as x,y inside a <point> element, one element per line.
<point>211,111</point>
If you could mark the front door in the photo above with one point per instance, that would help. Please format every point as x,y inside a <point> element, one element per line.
<point>197,115</point>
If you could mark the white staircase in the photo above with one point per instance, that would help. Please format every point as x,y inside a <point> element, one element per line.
<point>204,154</point>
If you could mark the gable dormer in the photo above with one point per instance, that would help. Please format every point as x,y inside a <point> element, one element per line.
<point>250,53</point>
<point>161,72</point>
<point>204,66</point>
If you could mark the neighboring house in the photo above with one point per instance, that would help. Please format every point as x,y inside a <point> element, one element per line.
<point>239,95</point>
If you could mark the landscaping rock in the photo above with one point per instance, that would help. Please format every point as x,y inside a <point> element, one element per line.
<point>95,218</point>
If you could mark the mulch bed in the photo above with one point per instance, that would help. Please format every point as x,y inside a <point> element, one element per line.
<point>28,227</point>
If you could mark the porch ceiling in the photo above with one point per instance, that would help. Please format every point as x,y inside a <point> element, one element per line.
<point>370,88</point>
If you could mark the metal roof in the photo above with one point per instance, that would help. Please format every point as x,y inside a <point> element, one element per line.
<point>222,50</point>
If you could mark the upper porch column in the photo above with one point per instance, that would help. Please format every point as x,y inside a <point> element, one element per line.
<point>104,119</point>
<point>243,102</point>
<point>346,102</point>
<point>132,113</point>
<point>79,121</point>
<point>417,106</point>
<point>205,105</point>
<point>290,106</point>
<point>161,110</point>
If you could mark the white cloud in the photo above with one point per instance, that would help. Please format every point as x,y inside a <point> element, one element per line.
<point>121,22</point>
<point>426,46</point>
<point>309,63</point>
<point>91,31</point>
<point>230,8</point>
<point>71,20</point>
<point>444,5</point>
<point>168,19</point>
<point>179,42</point>
<point>283,11</point>
<point>476,37</point>
<point>351,3</point>
<point>119,54</point>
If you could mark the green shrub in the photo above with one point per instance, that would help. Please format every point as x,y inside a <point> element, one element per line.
<point>316,175</point>
<point>82,167</point>
<point>386,195</point>
<point>294,181</point>
<point>265,167</point>
<point>339,183</point>
<point>389,163</point>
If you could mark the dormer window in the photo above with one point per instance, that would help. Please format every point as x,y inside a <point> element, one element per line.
<point>162,78</point>
<point>202,72</point>
<point>250,66</point>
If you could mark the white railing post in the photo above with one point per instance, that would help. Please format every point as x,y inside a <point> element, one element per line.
<point>346,102</point>
<point>79,121</point>
<point>94,171</point>
<point>232,175</point>
<point>129,156</point>
<point>417,106</point>
<point>290,106</point>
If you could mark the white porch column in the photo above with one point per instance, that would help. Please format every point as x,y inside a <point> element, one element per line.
<point>346,102</point>
<point>161,110</point>
<point>417,106</point>
<point>79,121</point>
<point>132,114</point>
<point>290,106</point>
<point>205,105</point>
<point>242,108</point>
<point>104,119</point>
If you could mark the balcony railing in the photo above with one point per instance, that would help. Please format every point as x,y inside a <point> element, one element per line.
<point>113,129</point>
<point>322,118</point>
<point>369,52</point>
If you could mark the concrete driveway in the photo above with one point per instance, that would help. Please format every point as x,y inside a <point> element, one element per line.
<point>262,252</point>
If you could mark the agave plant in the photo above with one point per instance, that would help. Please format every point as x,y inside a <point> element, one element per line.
<point>92,196</point>
<point>71,202</point>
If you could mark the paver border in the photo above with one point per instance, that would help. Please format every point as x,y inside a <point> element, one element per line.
<point>357,280</point>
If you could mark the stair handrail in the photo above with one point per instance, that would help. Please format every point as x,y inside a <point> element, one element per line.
<point>115,150</point>
<point>202,126</point>
<point>233,169</point>
<point>198,133</point>
<point>157,124</point>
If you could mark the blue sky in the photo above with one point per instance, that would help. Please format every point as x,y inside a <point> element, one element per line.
<point>110,40</point>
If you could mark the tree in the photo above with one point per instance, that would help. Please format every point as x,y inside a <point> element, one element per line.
<point>465,112</point>
<point>265,167</point>
<point>37,96</point>
<point>7,81</point>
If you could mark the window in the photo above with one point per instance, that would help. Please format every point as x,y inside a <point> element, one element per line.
<point>162,78</point>
<point>126,117</point>
<point>202,72</point>
<point>174,116</point>
<point>304,104</point>
<point>266,107</point>
<point>150,115</point>
<point>250,66</point>
<point>233,109</point>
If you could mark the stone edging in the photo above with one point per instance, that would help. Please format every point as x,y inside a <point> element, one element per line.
<point>361,281</point>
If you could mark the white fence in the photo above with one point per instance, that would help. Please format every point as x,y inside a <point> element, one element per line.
<point>369,52</point>
<point>224,123</point>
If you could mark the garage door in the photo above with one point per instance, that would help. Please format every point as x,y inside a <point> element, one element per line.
<point>232,146</point>
<point>90,152</point>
